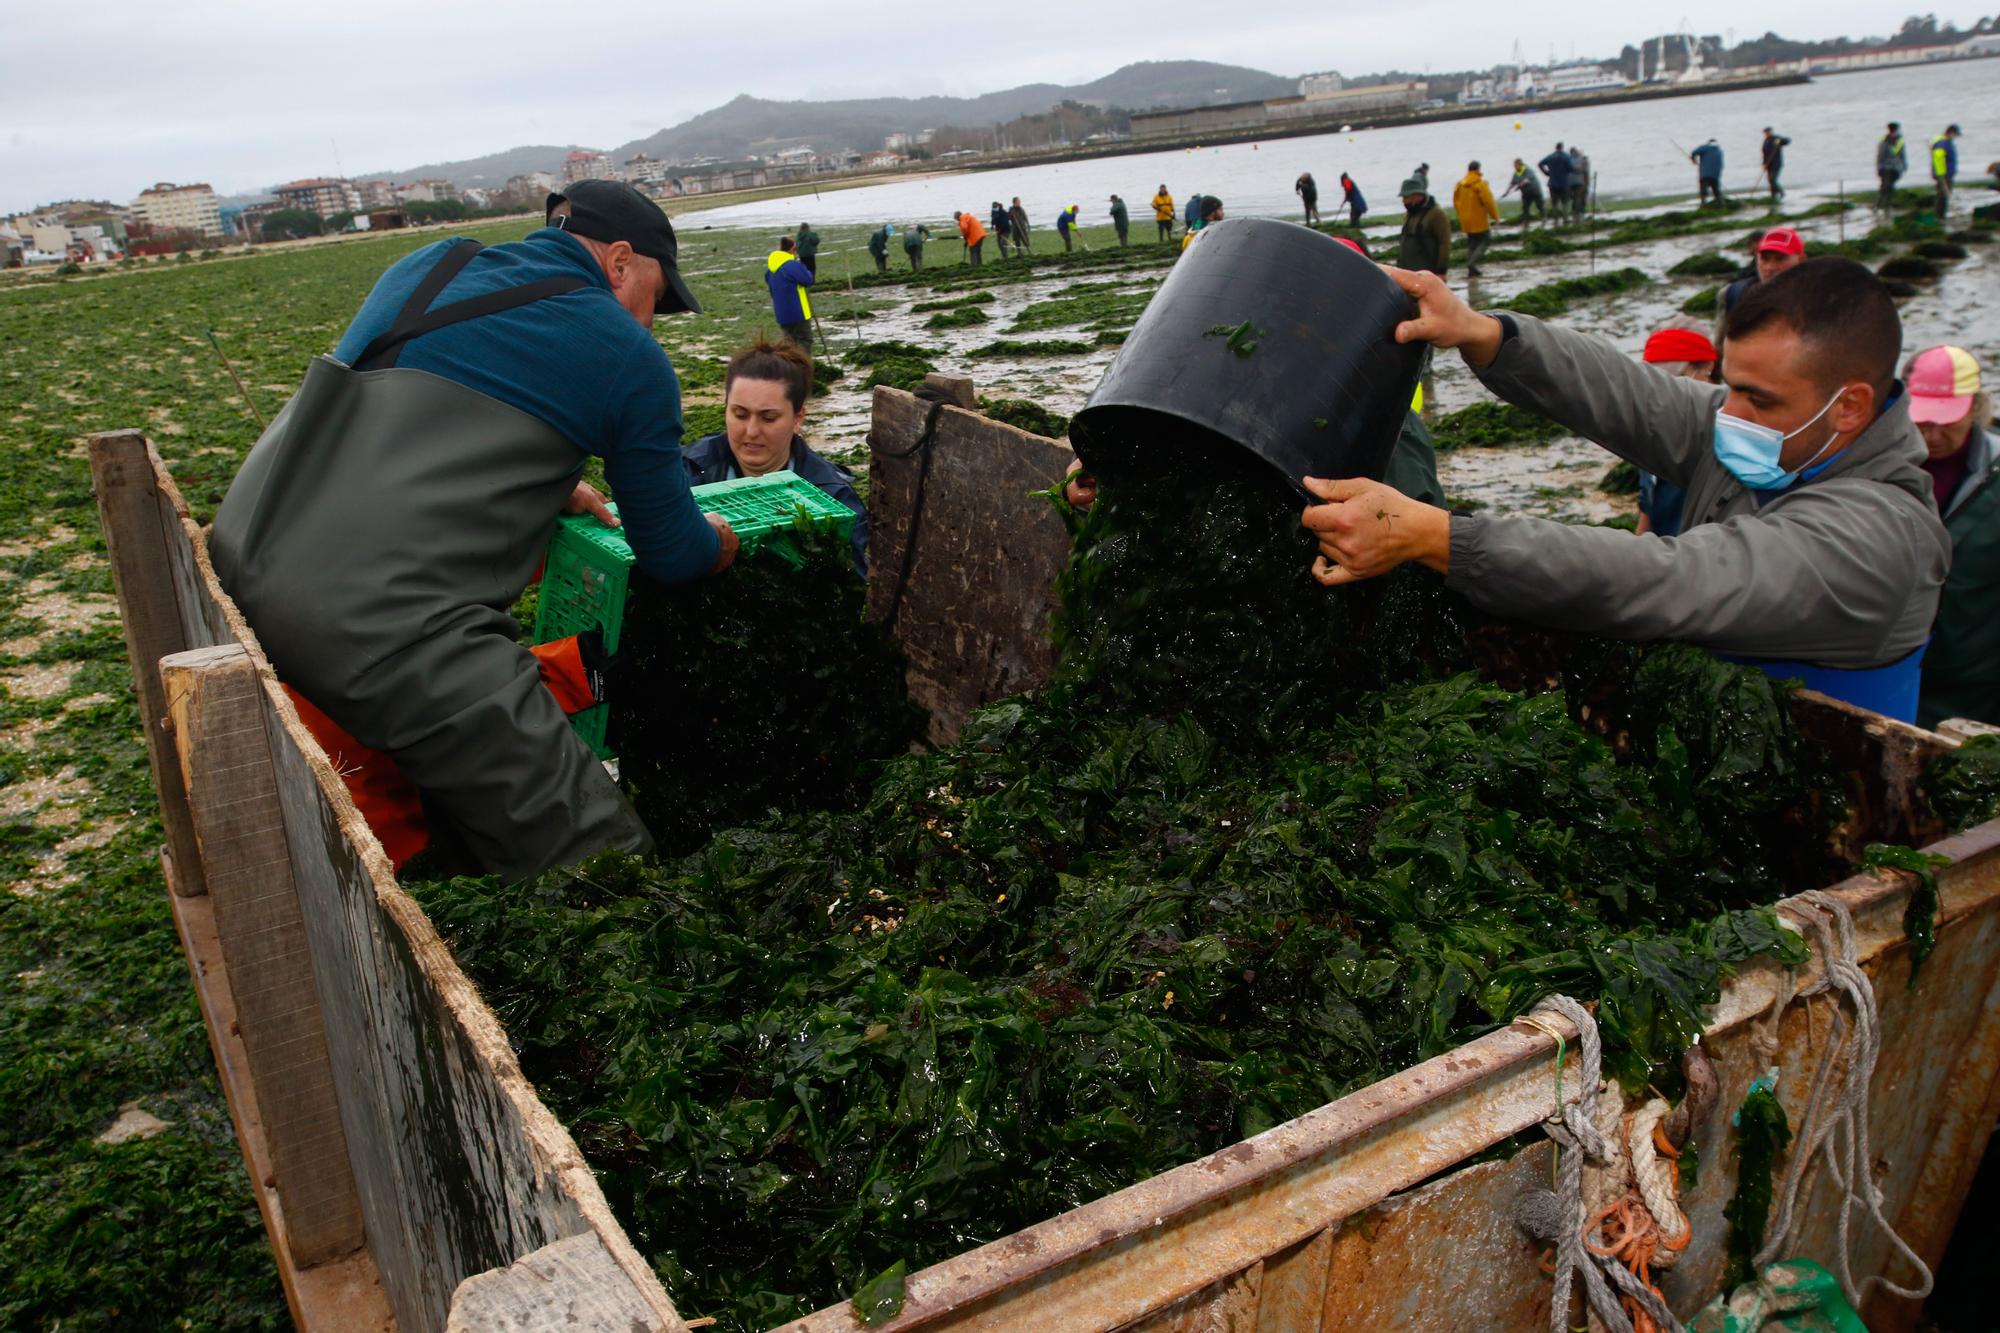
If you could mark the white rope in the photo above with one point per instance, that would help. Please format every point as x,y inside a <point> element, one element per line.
<point>1559,1216</point>
<point>1836,1124</point>
<point>1655,1179</point>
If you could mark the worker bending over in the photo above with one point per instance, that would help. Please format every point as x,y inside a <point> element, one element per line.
<point>1811,546</point>
<point>380,531</point>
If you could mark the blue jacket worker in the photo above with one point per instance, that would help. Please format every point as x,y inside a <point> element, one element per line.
<point>764,393</point>
<point>381,529</point>
<point>1707,161</point>
<point>1557,167</point>
<point>788,279</point>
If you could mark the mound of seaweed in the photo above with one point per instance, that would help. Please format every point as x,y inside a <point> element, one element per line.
<point>1258,844</point>
<point>760,689</point>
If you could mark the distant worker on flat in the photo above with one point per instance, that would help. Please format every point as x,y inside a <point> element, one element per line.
<point>914,237</point>
<point>1192,221</point>
<point>1121,221</point>
<point>1773,152</point>
<point>1357,203</point>
<point>1556,167</point>
<point>1530,186</point>
<point>1426,240</point>
<point>787,280</point>
<point>809,248</point>
<point>1579,182</point>
<point>1018,216</point>
<point>1209,213</point>
<point>1891,161</point>
<point>1001,226</point>
<point>1478,214</point>
<point>1163,213</point>
<point>1307,189</point>
<point>1066,228</point>
<point>878,245</point>
<point>973,234</point>
<point>1707,161</point>
<point>1944,167</point>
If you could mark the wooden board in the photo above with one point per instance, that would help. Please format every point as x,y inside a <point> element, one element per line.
<point>457,1166</point>
<point>345,1293</point>
<point>140,539</point>
<point>973,613</point>
<point>215,703</point>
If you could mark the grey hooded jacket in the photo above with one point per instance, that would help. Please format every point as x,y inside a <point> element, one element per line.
<point>1842,570</point>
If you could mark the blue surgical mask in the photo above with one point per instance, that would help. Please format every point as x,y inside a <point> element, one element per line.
<point>1751,451</point>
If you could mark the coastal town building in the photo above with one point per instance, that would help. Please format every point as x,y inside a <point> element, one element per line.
<point>582,165</point>
<point>322,196</point>
<point>167,208</point>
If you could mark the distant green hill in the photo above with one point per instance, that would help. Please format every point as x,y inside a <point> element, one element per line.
<point>730,131</point>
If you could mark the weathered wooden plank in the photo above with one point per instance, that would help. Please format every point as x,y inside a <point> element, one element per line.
<point>123,474</point>
<point>972,613</point>
<point>215,702</point>
<point>457,1166</point>
<point>957,390</point>
<point>571,1284</point>
<point>343,1294</point>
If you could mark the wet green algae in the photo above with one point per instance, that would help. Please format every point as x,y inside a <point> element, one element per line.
<point>1255,846</point>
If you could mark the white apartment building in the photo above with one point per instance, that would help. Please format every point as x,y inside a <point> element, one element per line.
<point>168,208</point>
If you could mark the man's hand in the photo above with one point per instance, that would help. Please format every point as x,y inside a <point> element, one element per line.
<point>1444,320</point>
<point>731,543</point>
<point>1080,488</point>
<point>587,499</point>
<point>1367,528</point>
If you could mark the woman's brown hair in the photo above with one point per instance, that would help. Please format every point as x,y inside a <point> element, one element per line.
<point>782,362</point>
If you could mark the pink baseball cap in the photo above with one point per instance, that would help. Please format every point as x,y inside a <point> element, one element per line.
<point>1942,382</point>
<point>1353,245</point>
<point>1783,241</point>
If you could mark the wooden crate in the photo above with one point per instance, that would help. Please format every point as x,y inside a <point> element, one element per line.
<point>476,1210</point>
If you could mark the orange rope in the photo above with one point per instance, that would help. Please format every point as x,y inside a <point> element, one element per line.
<point>1635,1240</point>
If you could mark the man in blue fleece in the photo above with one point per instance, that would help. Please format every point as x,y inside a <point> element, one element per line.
<point>382,527</point>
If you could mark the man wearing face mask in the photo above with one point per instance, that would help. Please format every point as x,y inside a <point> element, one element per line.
<point>1810,544</point>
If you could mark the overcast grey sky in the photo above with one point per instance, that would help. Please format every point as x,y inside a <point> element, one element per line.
<point>103,99</point>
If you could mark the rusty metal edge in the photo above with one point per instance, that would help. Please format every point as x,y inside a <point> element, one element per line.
<point>1507,1060</point>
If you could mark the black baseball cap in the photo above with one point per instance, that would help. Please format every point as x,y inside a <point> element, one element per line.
<point>614,211</point>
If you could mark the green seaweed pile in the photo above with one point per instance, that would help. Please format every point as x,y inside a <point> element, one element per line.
<point>760,689</point>
<point>1550,299</point>
<point>1028,415</point>
<point>1489,423</point>
<point>1256,845</point>
<point>1962,785</point>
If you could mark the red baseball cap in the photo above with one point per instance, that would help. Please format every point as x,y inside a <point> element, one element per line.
<point>1782,241</point>
<point>1352,244</point>
<point>1679,345</point>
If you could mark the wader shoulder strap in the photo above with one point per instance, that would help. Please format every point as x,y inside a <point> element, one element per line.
<point>416,319</point>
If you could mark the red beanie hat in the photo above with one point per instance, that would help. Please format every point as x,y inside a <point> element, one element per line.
<point>1679,345</point>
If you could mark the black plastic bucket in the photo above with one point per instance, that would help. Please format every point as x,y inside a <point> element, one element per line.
<point>1315,385</point>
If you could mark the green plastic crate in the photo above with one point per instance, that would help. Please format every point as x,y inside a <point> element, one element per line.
<point>589,565</point>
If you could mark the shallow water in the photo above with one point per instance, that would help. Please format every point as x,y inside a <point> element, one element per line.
<point>1557,480</point>
<point>1635,149</point>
